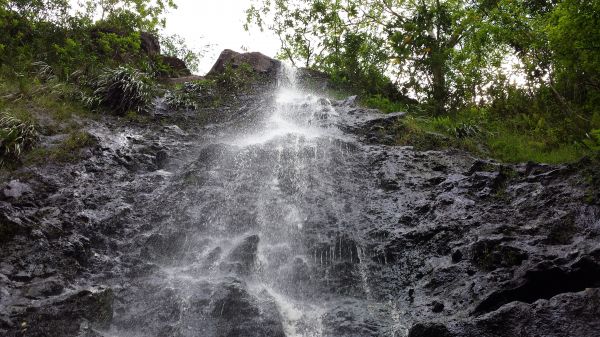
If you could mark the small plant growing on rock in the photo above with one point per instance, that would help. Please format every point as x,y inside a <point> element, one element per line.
<point>121,90</point>
<point>191,95</point>
<point>234,79</point>
<point>593,140</point>
<point>16,135</point>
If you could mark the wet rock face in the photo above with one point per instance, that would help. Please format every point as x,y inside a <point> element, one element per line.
<point>567,314</point>
<point>220,230</point>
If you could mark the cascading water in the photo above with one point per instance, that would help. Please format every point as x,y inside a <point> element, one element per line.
<point>263,229</point>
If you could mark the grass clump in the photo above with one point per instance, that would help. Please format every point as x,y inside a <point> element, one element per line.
<point>122,89</point>
<point>17,134</point>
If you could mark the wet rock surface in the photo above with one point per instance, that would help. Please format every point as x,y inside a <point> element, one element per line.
<point>189,229</point>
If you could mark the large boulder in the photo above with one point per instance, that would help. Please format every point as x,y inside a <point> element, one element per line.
<point>260,63</point>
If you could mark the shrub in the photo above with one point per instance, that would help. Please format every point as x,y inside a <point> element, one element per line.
<point>123,89</point>
<point>16,135</point>
<point>191,95</point>
<point>464,130</point>
<point>235,79</point>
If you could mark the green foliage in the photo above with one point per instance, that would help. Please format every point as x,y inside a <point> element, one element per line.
<point>17,134</point>
<point>431,48</point>
<point>121,90</point>
<point>72,39</point>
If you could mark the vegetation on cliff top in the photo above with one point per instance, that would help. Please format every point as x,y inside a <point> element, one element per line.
<point>445,62</point>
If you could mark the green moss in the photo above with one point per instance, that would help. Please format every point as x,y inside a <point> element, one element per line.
<point>60,108</point>
<point>383,103</point>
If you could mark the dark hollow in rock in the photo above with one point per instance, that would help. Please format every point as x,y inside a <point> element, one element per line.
<point>437,306</point>
<point>429,330</point>
<point>48,287</point>
<point>457,256</point>
<point>8,229</point>
<point>545,284</point>
<point>149,43</point>
<point>561,230</point>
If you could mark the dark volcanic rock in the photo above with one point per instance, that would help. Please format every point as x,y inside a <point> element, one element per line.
<point>351,319</point>
<point>568,314</point>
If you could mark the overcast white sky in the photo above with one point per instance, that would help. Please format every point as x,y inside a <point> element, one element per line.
<point>220,24</point>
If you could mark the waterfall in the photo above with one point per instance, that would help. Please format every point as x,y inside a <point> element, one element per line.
<point>262,211</point>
